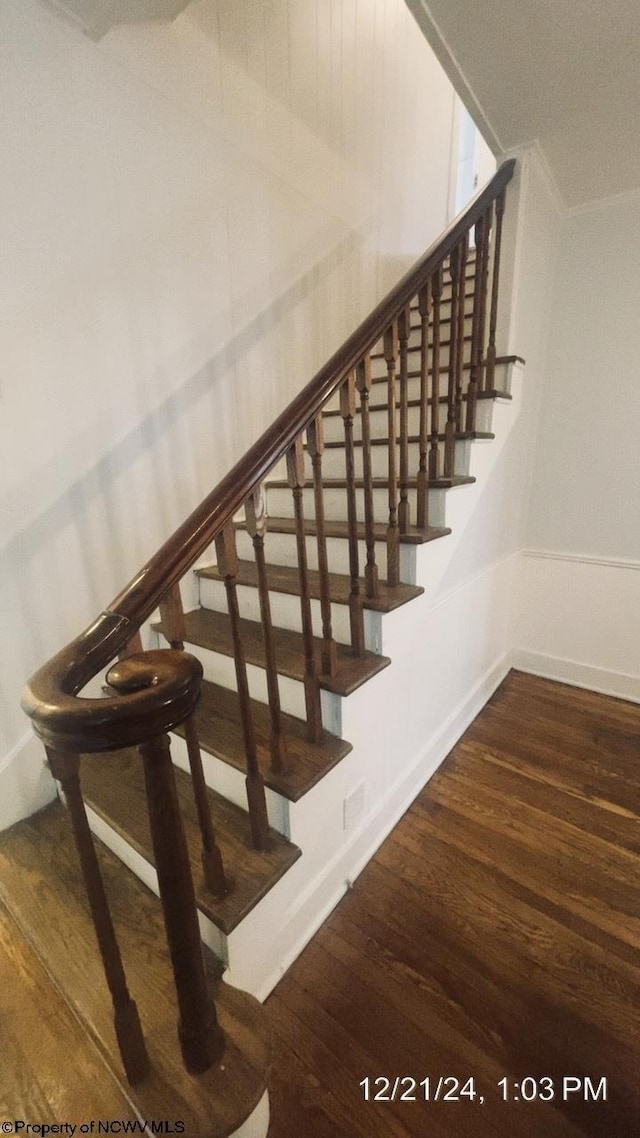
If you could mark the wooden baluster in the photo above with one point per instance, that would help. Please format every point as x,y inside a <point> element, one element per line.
<point>172,617</point>
<point>315,444</point>
<point>393,533</point>
<point>201,1038</point>
<point>422,494</point>
<point>256,520</point>
<point>363,384</point>
<point>65,768</point>
<point>132,646</point>
<point>404,332</point>
<point>462,288</point>
<point>495,284</point>
<point>450,429</point>
<point>482,269</point>
<point>295,470</point>
<point>476,334</point>
<point>356,617</point>
<point>434,450</point>
<point>228,566</point>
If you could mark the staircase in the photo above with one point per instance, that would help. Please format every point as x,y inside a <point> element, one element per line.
<point>219,832</point>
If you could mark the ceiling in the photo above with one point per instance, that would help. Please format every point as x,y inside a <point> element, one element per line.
<point>563,72</point>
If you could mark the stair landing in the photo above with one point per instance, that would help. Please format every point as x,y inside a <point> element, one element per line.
<point>41,886</point>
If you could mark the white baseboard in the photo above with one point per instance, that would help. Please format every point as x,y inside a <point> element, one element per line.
<point>323,894</point>
<point>578,620</point>
<point>578,675</point>
<point>25,783</point>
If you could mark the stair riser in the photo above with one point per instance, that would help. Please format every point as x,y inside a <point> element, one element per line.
<point>281,550</point>
<point>379,367</point>
<point>231,784</point>
<point>219,669</point>
<point>502,382</point>
<point>333,460</point>
<point>280,504</point>
<point>378,417</point>
<point>285,609</point>
<point>415,337</point>
<point>379,376</point>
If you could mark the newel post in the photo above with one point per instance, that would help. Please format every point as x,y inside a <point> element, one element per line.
<point>201,1039</point>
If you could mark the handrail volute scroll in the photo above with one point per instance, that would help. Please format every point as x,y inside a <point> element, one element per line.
<point>157,690</point>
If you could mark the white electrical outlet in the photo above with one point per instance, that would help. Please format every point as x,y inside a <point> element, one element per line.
<point>353,807</point>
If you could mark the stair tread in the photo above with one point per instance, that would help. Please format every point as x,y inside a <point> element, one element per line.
<point>212,630</point>
<point>220,733</point>
<point>440,483</point>
<point>113,785</point>
<point>461,436</point>
<point>40,1038</point>
<point>495,393</point>
<point>41,886</point>
<point>284,579</point>
<point>413,536</point>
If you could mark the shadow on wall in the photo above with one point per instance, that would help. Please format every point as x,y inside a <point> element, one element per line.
<point>60,568</point>
<point>177,407</point>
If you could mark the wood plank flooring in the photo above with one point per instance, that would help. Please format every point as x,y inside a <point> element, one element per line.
<point>41,887</point>
<point>42,1042</point>
<point>495,934</point>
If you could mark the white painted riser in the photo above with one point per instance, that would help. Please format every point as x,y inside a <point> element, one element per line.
<point>281,550</point>
<point>379,367</point>
<point>415,337</point>
<point>280,504</point>
<point>378,398</point>
<point>231,784</point>
<point>285,611</point>
<point>378,416</point>
<point>221,669</point>
<point>333,460</point>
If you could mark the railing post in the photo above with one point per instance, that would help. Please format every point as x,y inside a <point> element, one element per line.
<point>228,565</point>
<point>65,768</point>
<point>422,493</point>
<point>132,646</point>
<point>363,383</point>
<point>393,533</point>
<point>201,1039</point>
<point>172,617</point>
<point>404,331</point>
<point>315,444</point>
<point>450,429</point>
<point>256,520</point>
<point>434,449</point>
<point>482,269</point>
<point>295,471</point>
<point>495,285</point>
<point>348,410</point>
<point>476,333</point>
<point>460,337</point>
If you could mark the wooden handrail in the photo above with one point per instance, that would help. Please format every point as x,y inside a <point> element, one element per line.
<point>141,596</point>
<point>50,699</point>
<point>155,691</point>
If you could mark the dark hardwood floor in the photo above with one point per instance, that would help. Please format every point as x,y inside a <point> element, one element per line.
<point>49,1070</point>
<point>494,936</point>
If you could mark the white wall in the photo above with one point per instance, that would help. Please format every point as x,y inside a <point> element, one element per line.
<point>580,585</point>
<point>194,216</point>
